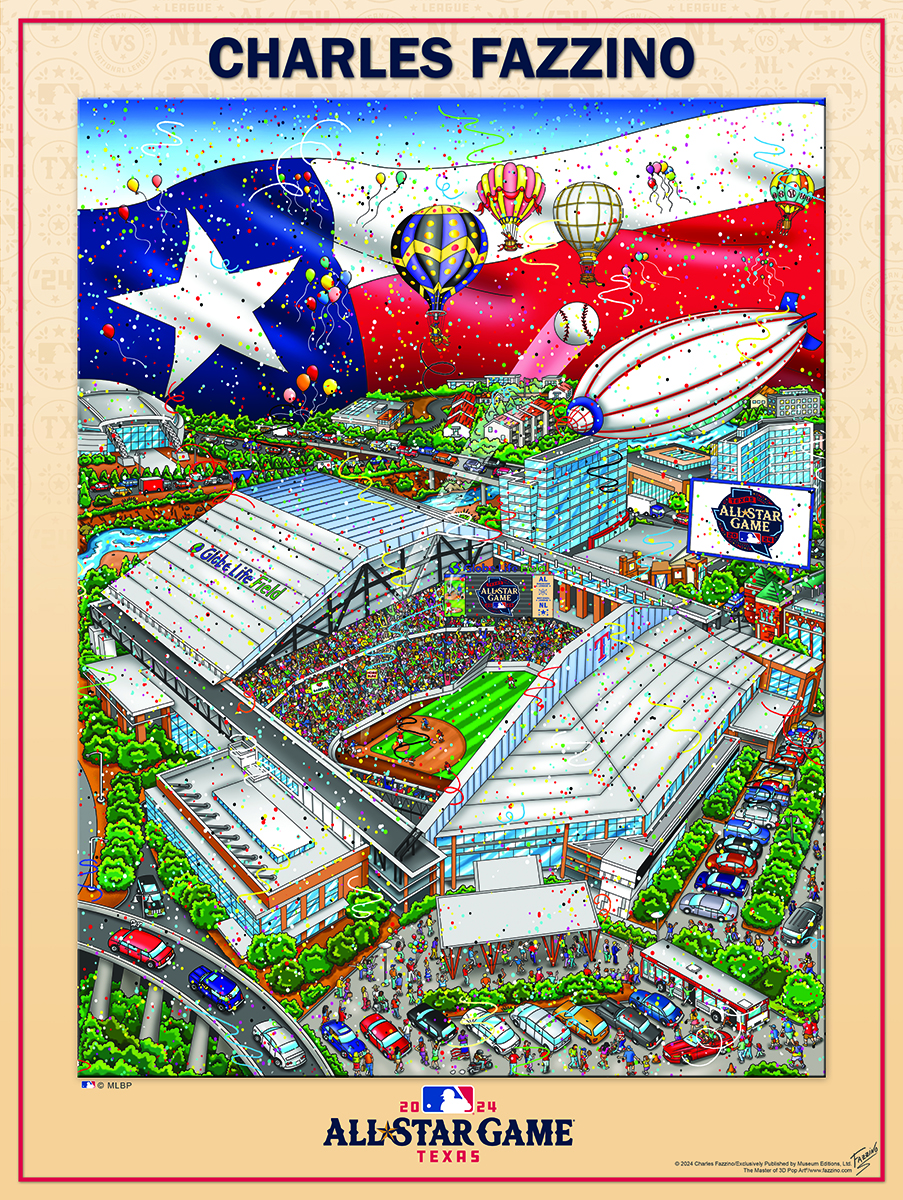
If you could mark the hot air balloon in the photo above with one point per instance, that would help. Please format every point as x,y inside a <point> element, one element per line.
<point>511,192</point>
<point>588,216</point>
<point>438,251</point>
<point>687,370</point>
<point>791,191</point>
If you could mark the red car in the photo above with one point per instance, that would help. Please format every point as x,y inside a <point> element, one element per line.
<point>444,457</point>
<point>704,1044</point>
<point>793,755</point>
<point>731,863</point>
<point>681,519</point>
<point>385,1036</point>
<point>143,947</point>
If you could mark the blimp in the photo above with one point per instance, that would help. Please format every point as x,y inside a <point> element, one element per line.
<point>687,370</point>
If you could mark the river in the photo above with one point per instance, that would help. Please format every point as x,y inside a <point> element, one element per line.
<point>119,539</point>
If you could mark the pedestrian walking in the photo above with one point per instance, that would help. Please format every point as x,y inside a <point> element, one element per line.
<point>791,907</point>
<point>775,1038</point>
<point>399,1065</point>
<point>356,1062</point>
<point>545,1055</point>
<point>614,952</point>
<point>434,1057</point>
<point>630,1061</point>
<point>584,1061</point>
<point>604,1051</point>
<point>760,1053</point>
<point>606,952</point>
<point>646,1064</point>
<point>573,1059</point>
<point>759,943</point>
<point>670,930</point>
<point>368,1063</point>
<point>528,1061</point>
<point>512,1063</point>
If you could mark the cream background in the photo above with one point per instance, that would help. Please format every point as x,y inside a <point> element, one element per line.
<point>248,1128</point>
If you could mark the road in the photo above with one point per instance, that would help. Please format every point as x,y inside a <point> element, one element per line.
<point>95,929</point>
<point>86,827</point>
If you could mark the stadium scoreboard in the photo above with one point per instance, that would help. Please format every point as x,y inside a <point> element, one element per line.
<point>501,594</point>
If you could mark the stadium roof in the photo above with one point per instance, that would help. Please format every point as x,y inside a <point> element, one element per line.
<point>226,588</point>
<point>614,744</point>
<point>102,400</point>
<point>778,656</point>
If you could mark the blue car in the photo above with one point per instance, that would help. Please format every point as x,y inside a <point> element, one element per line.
<point>657,1006</point>
<point>341,1039</point>
<point>736,827</point>
<point>721,884</point>
<point>764,792</point>
<point>219,989</point>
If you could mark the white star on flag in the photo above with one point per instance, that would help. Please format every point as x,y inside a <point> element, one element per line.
<point>211,306</point>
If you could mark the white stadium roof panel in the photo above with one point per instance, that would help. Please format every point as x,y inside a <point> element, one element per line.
<point>615,742</point>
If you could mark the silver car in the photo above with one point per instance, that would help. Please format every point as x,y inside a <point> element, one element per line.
<point>280,1045</point>
<point>491,1029</point>
<point>713,908</point>
<point>761,814</point>
<point>540,1025</point>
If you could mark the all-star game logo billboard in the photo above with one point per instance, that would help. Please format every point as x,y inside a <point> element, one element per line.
<point>507,594</point>
<point>750,522</point>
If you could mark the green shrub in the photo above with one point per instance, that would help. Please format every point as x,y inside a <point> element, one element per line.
<point>803,993</point>
<point>771,1068</point>
<point>417,910</point>
<point>764,910</point>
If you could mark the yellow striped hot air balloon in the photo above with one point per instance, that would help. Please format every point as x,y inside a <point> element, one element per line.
<point>791,190</point>
<point>511,192</point>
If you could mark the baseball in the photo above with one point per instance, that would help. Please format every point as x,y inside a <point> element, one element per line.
<point>576,324</point>
<point>580,419</point>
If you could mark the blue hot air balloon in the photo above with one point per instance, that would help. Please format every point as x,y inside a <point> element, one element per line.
<point>438,251</point>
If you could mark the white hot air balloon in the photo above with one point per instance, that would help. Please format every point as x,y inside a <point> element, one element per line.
<point>588,215</point>
<point>687,370</point>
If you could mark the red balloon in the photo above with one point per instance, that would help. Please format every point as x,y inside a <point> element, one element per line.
<point>307,176</point>
<point>107,331</point>
<point>313,373</point>
<point>123,212</point>
<point>311,302</point>
<point>157,180</point>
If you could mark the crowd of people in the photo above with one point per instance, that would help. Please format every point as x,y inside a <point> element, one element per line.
<point>414,646</point>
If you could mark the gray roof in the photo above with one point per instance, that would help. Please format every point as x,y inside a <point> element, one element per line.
<point>780,656</point>
<point>502,916</point>
<point>124,680</point>
<point>764,716</point>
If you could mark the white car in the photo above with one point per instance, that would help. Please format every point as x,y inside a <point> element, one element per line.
<point>280,1045</point>
<point>540,1025</point>
<point>491,1029</point>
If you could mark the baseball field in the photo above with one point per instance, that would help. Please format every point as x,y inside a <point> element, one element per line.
<point>478,708</point>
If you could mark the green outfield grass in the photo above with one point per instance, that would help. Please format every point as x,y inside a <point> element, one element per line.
<point>477,709</point>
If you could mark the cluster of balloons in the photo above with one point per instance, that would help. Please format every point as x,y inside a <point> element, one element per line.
<point>304,380</point>
<point>134,186</point>
<point>330,291</point>
<point>306,177</point>
<point>659,168</point>
<point>641,257</point>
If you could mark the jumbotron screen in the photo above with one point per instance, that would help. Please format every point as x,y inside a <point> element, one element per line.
<point>503,594</point>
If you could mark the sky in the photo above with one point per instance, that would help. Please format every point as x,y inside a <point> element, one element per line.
<point>178,138</point>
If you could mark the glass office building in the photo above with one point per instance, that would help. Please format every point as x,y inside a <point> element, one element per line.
<point>566,496</point>
<point>780,452</point>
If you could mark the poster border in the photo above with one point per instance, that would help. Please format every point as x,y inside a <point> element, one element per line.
<point>22,22</point>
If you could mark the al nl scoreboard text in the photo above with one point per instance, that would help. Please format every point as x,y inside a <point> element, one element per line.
<point>506,594</point>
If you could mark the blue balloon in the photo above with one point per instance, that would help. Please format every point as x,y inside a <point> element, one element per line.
<point>345,277</point>
<point>323,297</point>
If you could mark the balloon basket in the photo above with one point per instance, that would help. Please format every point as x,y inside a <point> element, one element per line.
<point>511,244</point>
<point>437,333</point>
<point>784,225</point>
<point>588,276</point>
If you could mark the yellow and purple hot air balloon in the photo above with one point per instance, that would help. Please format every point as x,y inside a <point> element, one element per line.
<point>791,190</point>
<point>511,192</point>
<point>438,251</point>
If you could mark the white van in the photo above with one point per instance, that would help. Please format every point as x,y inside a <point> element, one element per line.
<point>540,1025</point>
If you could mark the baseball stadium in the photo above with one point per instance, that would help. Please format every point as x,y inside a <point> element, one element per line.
<point>310,620</point>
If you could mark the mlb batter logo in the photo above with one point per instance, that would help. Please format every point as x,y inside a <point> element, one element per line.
<point>457,1098</point>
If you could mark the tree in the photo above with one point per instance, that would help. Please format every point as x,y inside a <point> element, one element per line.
<point>678,502</point>
<point>115,874</point>
<point>803,993</point>
<point>207,913</point>
<point>314,963</point>
<point>650,901</point>
<point>743,962</point>
<point>669,881</point>
<point>281,948</point>
<point>285,977</point>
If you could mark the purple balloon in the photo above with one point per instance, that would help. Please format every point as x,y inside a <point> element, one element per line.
<point>650,168</point>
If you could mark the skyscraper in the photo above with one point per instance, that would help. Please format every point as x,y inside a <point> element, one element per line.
<point>568,496</point>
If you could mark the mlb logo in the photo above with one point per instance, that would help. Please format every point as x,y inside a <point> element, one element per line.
<point>86,1083</point>
<point>452,1098</point>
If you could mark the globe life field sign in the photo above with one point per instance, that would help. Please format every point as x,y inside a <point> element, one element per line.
<point>756,523</point>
